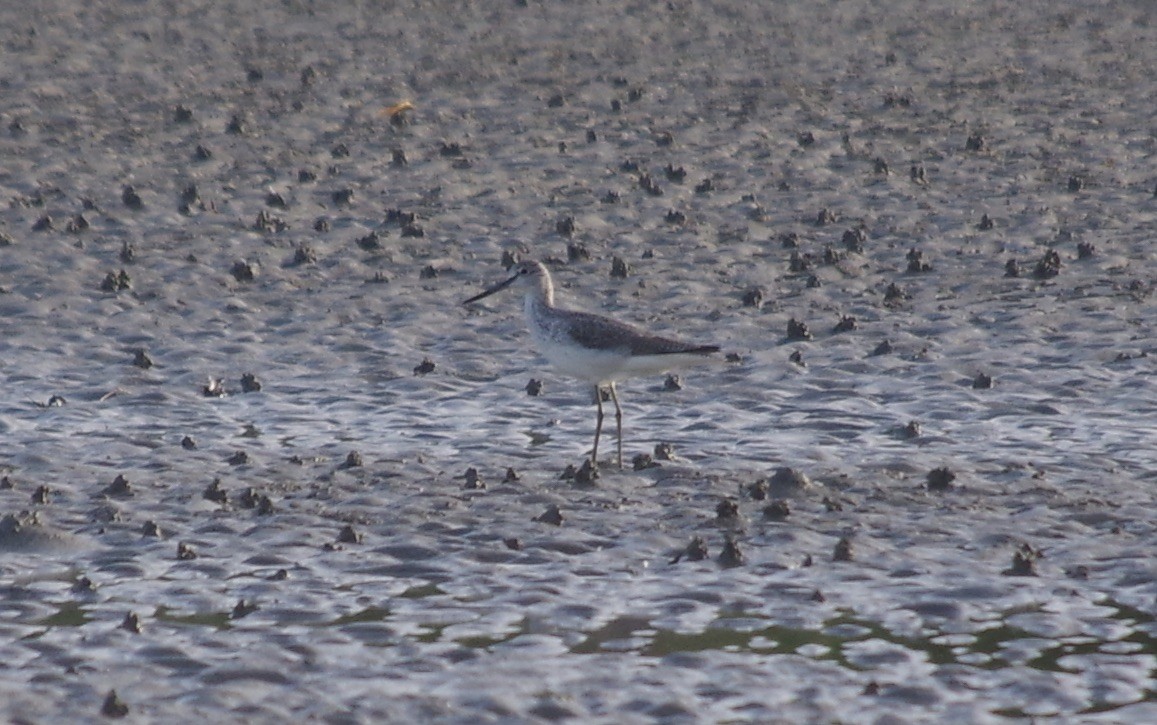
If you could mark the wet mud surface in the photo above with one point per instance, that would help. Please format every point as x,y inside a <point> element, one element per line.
<point>258,463</point>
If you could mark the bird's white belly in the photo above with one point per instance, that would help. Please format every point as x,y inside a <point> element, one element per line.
<point>601,367</point>
<point>593,366</point>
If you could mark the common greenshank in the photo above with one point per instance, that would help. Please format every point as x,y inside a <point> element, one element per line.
<point>593,348</point>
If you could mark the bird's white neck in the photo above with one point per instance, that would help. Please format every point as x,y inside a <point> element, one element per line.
<point>541,294</point>
<point>538,301</point>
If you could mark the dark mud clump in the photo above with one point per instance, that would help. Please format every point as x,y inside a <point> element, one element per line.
<point>843,550</point>
<point>552,515</point>
<point>727,511</point>
<point>787,481</point>
<point>1024,561</point>
<point>131,623</point>
<point>731,555</point>
<point>643,461</point>
<point>113,707</point>
<point>214,492</point>
<point>797,330</point>
<point>940,479</point>
<point>353,459</point>
<point>587,473</point>
<point>696,550</point>
<point>473,482</point>
<point>917,264</point>
<point>777,510</point>
<point>1049,265</point>
<point>119,488</point>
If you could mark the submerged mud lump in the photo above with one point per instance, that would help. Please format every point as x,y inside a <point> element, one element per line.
<point>696,550</point>
<point>119,488</point>
<point>643,461</point>
<point>1049,265</point>
<point>243,608</point>
<point>753,298</point>
<point>243,270</point>
<point>777,510</point>
<point>649,185</point>
<point>214,492</point>
<point>884,348</point>
<point>76,224</point>
<point>566,226</point>
<point>1024,561</point>
<point>854,240</point>
<point>727,510</point>
<point>116,282</point>
<point>788,480</point>
<point>113,706</point>
<point>131,623</point>
<point>131,199</point>
<point>916,262</point>
<point>473,482</point>
<point>843,550</point>
<point>664,452</point>
<point>587,473</point>
<point>982,381</point>
<point>731,556</point>
<point>552,515</point>
<point>353,459</point>
<point>894,295</point>
<point>797,330</point>
<point>577,252</point>
<point>940,479</point>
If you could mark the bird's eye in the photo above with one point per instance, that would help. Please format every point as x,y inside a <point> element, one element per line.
<point>524,270</point>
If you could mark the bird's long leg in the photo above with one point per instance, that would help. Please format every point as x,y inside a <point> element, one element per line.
<point>598,425</point>
<point>618,421</point>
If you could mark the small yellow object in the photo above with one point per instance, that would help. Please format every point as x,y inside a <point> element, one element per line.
<point>397,109</point>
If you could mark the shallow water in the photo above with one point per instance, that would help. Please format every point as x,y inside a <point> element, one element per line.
<point>306,586</point>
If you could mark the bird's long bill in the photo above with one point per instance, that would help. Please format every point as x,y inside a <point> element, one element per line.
<point>496,288</point>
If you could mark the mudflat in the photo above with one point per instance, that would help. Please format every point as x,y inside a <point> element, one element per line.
<point>259,464</point>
